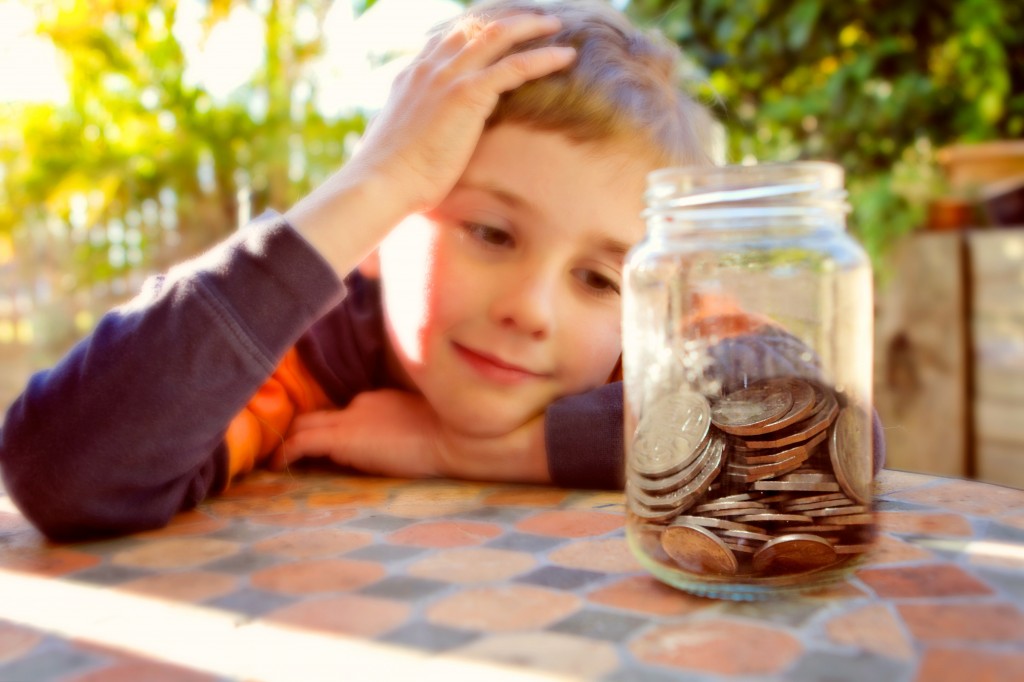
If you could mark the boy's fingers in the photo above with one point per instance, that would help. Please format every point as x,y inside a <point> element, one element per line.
<point>516,69</point>
<point>496,38</point>
<point>307,443</point>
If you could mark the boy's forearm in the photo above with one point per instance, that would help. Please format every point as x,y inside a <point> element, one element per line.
<point>346,218</point>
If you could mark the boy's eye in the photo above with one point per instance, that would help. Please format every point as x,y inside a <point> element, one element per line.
<point>492,236</point>
<point>597,282</point>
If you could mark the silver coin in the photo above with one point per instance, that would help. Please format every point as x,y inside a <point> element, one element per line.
<point>669,435</point>
<point>666,484</point>
<point>723,504</point>
<point>685,497</point>
<point>723,524</point>
<point>796,485</point>
<point>745,411</point>
<point>838,511</point>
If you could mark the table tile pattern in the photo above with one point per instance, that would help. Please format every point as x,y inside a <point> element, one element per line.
<point>530,582</point>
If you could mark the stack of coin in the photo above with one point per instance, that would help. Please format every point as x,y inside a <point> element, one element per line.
<point>675,457</point>
<point>778,483</point>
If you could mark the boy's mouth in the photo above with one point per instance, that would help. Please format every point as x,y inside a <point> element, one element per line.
<point>494,368</point>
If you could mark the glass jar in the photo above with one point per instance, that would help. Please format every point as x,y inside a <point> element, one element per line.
<point>747,362</point>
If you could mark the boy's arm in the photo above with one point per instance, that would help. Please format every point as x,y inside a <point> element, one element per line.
<point>391,432</point>
<point>128,428</point>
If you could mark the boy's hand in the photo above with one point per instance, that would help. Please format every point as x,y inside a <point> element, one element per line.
<point>424,137</point>
<point>420,144</point>
<point>395,433</point>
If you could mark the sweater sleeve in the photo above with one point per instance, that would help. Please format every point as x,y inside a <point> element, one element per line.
<point>583,436</point>
<point>129,427</point>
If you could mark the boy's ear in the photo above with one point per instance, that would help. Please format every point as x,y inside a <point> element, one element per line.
<point>370,266</point>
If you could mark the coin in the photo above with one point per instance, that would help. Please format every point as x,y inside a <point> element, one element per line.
<point>647,513</point>
<point>803,404</point>
<point>776,498</point>
<point>684,497</point>
<point>772,517</point>
<point>745,456</point>
<point>808,499</point>
<point>794,553</point>
<point>740,546</point>
<point>838,511</point>
<point>722,505</point>
<point>698,550</point>
<point>817,528</point>
<point>744,535</point>
<point>749,474</point>
<point>795,485</point>
<point>853,519</point>
<point>815,477</point>
<point>746,410</point>
<point>848,450</point>
<point>801,431</point>
<point>722,524</point>
<point>726,513</point>
<point>667,484</point>
<point>822,504</point>
<point>669,434</point>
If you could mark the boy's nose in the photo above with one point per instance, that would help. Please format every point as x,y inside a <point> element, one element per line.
<point>526,305</point>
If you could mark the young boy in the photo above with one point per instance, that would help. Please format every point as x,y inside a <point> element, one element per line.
<point>488,211</point>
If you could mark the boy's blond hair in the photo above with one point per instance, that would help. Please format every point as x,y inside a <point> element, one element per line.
<point>624,85</point>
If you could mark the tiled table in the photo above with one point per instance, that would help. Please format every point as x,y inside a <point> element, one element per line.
<point>320,575</point>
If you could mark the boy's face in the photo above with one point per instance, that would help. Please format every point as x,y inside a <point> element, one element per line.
<point>506,296</point>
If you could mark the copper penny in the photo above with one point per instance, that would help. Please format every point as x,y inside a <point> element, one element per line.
<point>801,431</point>
<point>849,450</point>
<point>803,405</point>
<point>745,411</point>
<point>828,497</point>
<point>822,504</point>
<point>794,553</point>
<point>747,474</point>
<point>853,519</point>
<point>755,457</point>
<point>698,550</point>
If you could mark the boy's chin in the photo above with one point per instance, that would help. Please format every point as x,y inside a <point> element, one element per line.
<point>472,423</point>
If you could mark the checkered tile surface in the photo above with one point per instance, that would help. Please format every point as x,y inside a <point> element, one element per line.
<point>535,580</point>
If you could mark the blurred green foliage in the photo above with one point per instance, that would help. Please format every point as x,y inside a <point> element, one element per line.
<point>874,85</point>
<point>135,128</point>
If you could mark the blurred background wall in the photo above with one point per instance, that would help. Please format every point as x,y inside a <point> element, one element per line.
<point>134,133</point>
